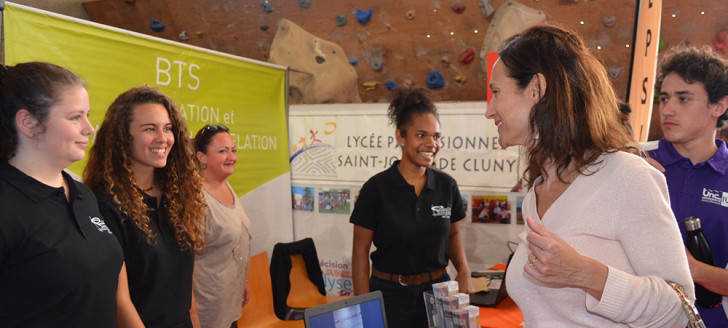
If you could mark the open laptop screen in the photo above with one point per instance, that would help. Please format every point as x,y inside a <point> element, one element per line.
<point>362,311</point>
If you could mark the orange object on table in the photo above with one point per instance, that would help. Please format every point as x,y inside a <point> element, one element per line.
<point>505,315</point>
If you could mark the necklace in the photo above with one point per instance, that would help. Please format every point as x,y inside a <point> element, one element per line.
<point>150,188</point>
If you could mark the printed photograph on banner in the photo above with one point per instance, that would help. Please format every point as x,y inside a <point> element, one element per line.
<point>491,209</point>
<point>332,200</point>
<point>519,209</point>
<point>303,198</point>
<point>465,198</point>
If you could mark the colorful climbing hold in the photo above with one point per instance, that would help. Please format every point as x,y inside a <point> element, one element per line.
<point>264,27</point>
<point>198,33</point>
<point>320,59</point>
<point>340,20</point>
<point>434,80</point>
<point>376,64</point>
<point>391,85</point>
<point>369,86</point>
<point>610,21</point>
<point>266,6</point>
<point>156,26</point>
<point>458,8</point>
<point>363,16</point>
<point>410,14</point>
<point>304,3</point>
<point>407,83</point>
<point>353,61</point>
<point>183,36</point>
<point>467,56</point>
<point>721,40</point>
<point>445,59</point>
<point>460,79</point>
<point>485,7</point>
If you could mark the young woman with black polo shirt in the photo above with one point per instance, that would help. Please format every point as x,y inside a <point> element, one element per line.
<point>410,213</point>
<point>141,167</point>
<point>59,262</point>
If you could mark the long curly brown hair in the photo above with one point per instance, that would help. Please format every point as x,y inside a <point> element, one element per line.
<point>578,117</point>
<point>109,170</point>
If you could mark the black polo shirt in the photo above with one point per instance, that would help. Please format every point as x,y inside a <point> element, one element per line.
<point>159,274</point>
<point>59,262</point>
<point>410,232</point>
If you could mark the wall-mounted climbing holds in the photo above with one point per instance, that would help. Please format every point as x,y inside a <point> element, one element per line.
<point>467,56</point>
<point>434,80</point>
<point>183,36</point>
<point>363,16</point>
<point>407,83</point>
<point>266,6</point>
<point>410,14</point>
<point>458,8</point>
<point>721,40</point>
<point>320,59</point>
<point>460,78</point>
<point>614,71</point>
<point>486,8</point>
<point>369,86</point>
<point>340,20</point>
<point>304,3</point>
<point>353,61</point>
<point>156,26</point>
<point>445,59</point>
<point>199,33</point>
<point>609,21</point>
<point>376,64</point>
<point>391,85</point>
<point>264,27</point>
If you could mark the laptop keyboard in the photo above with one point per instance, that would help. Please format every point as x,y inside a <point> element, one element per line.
<point>482,298</point>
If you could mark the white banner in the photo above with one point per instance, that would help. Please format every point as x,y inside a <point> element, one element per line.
<point>349,143</point>
<point>336,148</point>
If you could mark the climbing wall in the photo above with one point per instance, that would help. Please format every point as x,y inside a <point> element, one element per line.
<point>402,42</point>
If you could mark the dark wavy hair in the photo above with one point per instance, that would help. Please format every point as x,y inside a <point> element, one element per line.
<point>578,118</point>
<point>407,102</point>
<point>701,65</point>
<point>203,137</point>
<point>33,86</point>
<point>109,170</point>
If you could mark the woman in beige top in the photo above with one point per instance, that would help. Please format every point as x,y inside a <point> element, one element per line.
<point>221,268</point>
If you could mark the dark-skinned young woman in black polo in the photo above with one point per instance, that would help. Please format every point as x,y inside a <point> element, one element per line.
<point>410,212</point>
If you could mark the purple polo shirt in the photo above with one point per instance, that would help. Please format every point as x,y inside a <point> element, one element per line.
<point>700,190</point>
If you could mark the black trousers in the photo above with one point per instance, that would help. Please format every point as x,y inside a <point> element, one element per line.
<point>404,305</point>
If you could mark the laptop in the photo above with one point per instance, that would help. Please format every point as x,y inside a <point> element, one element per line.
<point>496,285</point>
<point>361,311</point>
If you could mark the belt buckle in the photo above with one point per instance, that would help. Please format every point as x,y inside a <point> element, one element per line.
<point>399,279</point>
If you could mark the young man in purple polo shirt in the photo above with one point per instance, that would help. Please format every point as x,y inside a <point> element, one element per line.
<point>693,88</point>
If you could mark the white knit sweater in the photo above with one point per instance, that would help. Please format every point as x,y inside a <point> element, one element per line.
<point>619,216</point>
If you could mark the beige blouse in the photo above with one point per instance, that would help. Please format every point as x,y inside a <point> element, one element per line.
<point>221,268</point>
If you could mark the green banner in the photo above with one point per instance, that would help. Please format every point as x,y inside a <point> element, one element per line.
<point>208,87</point>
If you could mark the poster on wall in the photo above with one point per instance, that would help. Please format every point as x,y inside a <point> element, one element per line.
<point>336,148</point>
<point>208,87</point>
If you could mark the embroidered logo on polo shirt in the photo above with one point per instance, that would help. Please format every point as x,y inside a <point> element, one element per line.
<point>100,224</point>
<point>716,197</point>
<point>441,211</point>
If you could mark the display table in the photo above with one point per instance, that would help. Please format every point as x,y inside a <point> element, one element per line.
<point>505,315</point>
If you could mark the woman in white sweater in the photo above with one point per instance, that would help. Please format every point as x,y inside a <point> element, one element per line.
<point>600,241</point>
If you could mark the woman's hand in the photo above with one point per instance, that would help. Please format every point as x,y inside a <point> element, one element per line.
<point>554,263</point>
<point>465,282</point>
